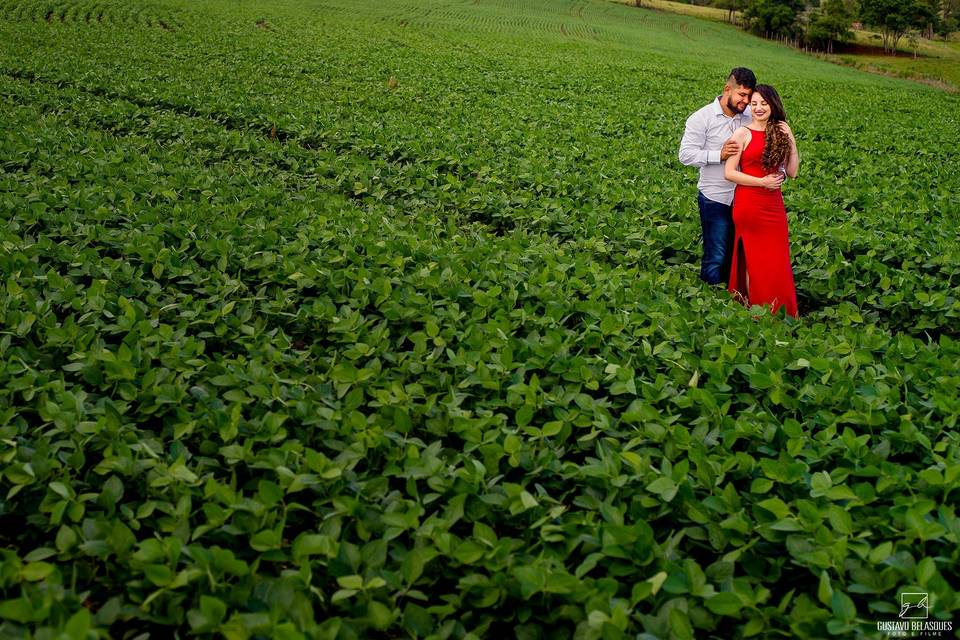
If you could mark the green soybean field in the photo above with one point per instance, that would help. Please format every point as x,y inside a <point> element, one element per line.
<point>354,319</point>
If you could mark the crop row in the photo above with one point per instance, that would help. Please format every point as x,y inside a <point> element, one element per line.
<point>842,242</point>
<point>89,12</point>
<point>315,335</point>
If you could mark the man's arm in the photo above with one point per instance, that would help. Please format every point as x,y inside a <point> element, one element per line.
<point>692,152</point>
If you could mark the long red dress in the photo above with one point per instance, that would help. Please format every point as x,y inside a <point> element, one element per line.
<point>760,271</point>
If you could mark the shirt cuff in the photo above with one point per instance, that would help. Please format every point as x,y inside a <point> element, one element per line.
<point>713,157</point>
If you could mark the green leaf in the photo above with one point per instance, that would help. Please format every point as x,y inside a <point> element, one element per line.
<point>724,603</point>
<point>379,615</point>
<point>776,506</point>
<point>524,415</point>
<point>840,520</point>
<point>270,493</point>
<point>40,554</point>
<point>66,538</point>
<point>36,571</point>
<point>820,482</point>
<point>761,485</point>
<point>531,579</point>
<point>266,540</point>
<point>111,493</point>
<point>552,428</point>
<point>158,574</point>
<point>468,552</point>
<point>883,551</point>
<point>841,492</point>
<point>680,626</point>
<point>78,626</point>
<point>657,581</point>
<point>527,500</point>
<point>351,582</point>
<point>754,627</point>
<point>417,620</point>
<point>313,544</point>
<point>787,524</point>
<point>843,607</point>
<point>414,563</point>
<point>761,381</point>
<point>343,594</point>
<point>825,590</point>
<point>213,609</point>
<point>61,490</point>
<point>209,615</point>
<point>664,487</point>
<point>926,570</point>
<point>18,610</point>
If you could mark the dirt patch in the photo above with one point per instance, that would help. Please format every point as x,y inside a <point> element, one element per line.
<point>864,65</point>
<point>859,49</point>
<point>263,24</point>
<point>932,82</point>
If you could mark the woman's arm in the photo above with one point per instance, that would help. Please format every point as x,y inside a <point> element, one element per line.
<point>793,158</point>
<point>731,173</point>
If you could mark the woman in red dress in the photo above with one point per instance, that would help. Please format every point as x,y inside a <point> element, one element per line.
<point>760,271</point>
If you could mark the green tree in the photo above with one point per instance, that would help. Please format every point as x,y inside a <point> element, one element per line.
<point>949,17</point>
<point>894,18</point>
<point>730,6</point>
<point>773,18</point>
<point>829,24</point>
<point>930,11</point>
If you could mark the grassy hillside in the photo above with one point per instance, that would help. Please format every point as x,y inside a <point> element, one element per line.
<point>937,62</point>
<point>332,319</point>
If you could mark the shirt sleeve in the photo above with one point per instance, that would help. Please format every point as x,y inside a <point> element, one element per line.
<point>694,138</point>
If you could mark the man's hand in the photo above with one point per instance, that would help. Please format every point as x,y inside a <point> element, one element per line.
<point>730,148</point>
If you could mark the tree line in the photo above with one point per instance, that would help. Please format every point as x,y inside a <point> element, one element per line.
<point>819,24</point>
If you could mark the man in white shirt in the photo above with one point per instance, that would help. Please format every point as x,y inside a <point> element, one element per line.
<point>706,144</point>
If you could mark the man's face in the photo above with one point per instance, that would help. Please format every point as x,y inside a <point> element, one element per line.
<point>738,97</point>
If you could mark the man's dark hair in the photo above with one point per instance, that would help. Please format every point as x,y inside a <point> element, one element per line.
<point>743,77</point>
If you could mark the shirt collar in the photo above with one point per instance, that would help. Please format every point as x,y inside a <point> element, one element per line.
<point>717,109</point>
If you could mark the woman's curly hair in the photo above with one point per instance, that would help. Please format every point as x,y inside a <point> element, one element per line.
<point>776,146</point>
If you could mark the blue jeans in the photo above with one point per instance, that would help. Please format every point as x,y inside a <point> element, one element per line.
<point>717,222</point>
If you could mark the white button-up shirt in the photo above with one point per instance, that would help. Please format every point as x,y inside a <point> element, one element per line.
<point>705,132</point>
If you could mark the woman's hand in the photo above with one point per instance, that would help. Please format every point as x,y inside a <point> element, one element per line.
<point>793,159</point>
<point>772,181</point>
<point>786,129</point>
